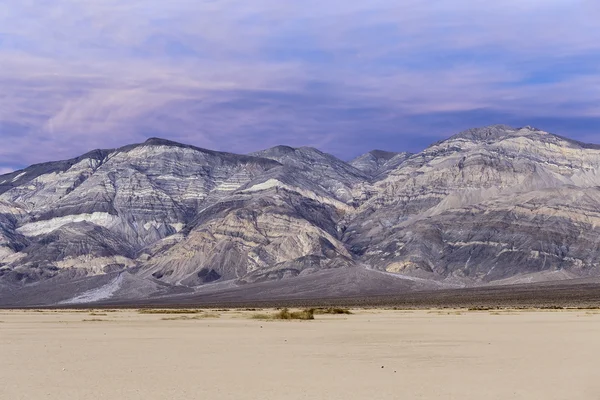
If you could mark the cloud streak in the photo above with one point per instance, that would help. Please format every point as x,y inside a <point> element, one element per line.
<point>240,76</point>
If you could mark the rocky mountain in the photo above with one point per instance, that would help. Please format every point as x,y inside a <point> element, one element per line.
<point>484,205</point>
<point>378,162</point>
<point>493,205</point>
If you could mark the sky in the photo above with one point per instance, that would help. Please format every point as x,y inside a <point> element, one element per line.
<point>345,76</point>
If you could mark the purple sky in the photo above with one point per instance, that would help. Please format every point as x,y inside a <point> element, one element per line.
<point>345,76</point>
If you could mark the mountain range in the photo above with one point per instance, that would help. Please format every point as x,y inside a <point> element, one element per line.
<point>489,206</point>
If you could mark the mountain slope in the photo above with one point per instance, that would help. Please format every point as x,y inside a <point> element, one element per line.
<point>141,193</point>
<point>409,223</point>
<point>330,173</point>
<point>371,162</point>
<point>492,204</point>
<point>378,162</point>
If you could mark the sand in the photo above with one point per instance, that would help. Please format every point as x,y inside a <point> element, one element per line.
<point>372,354</point>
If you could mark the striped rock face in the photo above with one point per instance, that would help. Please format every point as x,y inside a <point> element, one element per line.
<point>494,204</point>
<point>487,204</point>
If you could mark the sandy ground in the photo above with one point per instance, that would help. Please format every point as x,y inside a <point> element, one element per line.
<point>372,354</point>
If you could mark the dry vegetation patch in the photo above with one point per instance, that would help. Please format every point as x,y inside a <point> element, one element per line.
<point>332,310</point>
<point>194,317</point>
<point>286,314</point>
<point>169,311</point>
<point>443,312</point>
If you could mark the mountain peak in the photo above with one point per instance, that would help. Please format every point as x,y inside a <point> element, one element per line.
<point>383,154</point>
<point>490,132</point>
<point>276,151</point>
<point>373,156</point>
<point>373,162</point>
<point>156,141</point>
<point>172,215</point>
<point>499,132</point>
<point>287,151</point>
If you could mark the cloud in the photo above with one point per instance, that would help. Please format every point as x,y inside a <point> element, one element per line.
<point>241,76</point>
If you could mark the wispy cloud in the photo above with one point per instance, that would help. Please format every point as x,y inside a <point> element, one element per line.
<point>239,76</point>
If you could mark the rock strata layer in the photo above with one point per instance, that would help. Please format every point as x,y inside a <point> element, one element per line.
<point>489,205</point>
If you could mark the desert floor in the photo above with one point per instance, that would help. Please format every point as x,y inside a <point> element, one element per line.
<point>371,354</point>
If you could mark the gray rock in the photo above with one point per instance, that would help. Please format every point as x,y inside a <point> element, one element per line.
<point>488,205</point>
<point>378,162</point>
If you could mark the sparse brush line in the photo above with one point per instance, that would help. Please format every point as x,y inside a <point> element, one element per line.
<point>169,311</point>
<point>332,310</point>
<point>195,317</point>
<point>286,314</point>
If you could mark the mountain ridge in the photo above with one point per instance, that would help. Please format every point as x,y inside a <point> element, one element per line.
<point>486,205</point>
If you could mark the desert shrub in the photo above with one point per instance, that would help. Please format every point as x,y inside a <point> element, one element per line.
<point>283,314</point>
<point>261,316</point>
<point>192,317</point>
<point>332,310</point>
<point>168,311</point>
<point>286,314</point>
<point>308,313</point>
